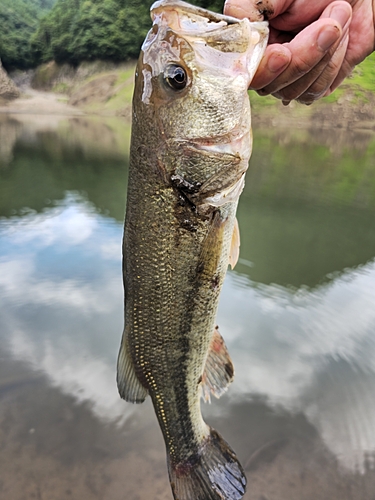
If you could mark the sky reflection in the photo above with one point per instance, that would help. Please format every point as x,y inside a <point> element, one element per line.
<point>61,299</point>
<point>309,351</point>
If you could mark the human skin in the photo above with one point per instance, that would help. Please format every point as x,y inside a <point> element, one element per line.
<point>313,46</point>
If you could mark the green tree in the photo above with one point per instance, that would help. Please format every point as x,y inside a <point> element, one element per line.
<point>72,31</point>
<point>19,20</point>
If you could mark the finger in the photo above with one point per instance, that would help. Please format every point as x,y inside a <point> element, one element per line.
<point>247,8</point>
<point>345,71</point>
<point>361,41</point>
<point>307,49</point>
<point>277,36</point>
<point>316,82</point>
<point>276,59</point>
<point>259,10</point>
<point>328,76</point>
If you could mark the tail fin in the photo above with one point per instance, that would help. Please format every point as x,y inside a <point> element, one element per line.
<point>215,474</point>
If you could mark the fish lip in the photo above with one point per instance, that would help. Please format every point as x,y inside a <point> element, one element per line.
<point>173,4</point>
<point>161,6</point>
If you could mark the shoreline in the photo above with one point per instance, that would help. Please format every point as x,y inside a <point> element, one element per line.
<point>37,102</point>
<point>266,112</point>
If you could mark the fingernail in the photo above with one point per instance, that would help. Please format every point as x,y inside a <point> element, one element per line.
<point>340,15</point>
<point>262,92</point>
<point>277,62</point>
<point>285,103</point>
<point>327,37</point>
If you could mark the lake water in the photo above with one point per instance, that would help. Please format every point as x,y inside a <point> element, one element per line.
<point>298,316</point>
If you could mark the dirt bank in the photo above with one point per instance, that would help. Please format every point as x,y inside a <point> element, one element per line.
<point>106,89</point>
<point>40,103</point>
<point>347,112</point>
<point>8,90</point>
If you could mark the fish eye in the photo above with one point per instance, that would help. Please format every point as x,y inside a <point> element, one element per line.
<point>176,77</point>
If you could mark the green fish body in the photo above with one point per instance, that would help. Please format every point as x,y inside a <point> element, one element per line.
<point>190,149</point>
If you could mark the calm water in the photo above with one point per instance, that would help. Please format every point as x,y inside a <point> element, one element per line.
<point>298,315</point>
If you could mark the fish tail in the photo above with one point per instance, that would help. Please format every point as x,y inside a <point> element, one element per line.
<point>213,474</point>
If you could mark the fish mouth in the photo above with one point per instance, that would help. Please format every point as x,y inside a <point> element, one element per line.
<point>192,11</point>
<point>211,33</point>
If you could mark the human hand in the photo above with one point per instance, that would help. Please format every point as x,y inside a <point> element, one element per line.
<point>313,46</point>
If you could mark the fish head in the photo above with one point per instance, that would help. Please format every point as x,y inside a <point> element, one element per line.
<point>195,69</point>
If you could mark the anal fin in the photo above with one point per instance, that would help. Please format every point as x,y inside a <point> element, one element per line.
<point>219,371</point>
<point>128,384</point>
<point>235,245</point>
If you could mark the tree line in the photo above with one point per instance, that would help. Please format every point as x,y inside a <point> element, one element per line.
<point>19,20</point>
<point>71,31</point>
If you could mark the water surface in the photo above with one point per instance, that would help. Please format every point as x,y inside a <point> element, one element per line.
<point>297,314</point>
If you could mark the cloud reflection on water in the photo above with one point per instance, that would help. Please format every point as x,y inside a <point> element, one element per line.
<point>309,351</point>
<point>60,267</point>
<point>289,346</point>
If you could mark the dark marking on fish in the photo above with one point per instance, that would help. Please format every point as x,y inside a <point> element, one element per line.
<point>184,184</point>
<point>200,267</point>
<point>188,225</point>
<point>184,200</point>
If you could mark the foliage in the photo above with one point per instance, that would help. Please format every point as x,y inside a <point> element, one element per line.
<point>19,20</point>
<point>84,30</point>
<point>215,5</point>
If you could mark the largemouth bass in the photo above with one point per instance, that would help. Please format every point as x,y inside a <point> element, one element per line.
<point>190,149</point>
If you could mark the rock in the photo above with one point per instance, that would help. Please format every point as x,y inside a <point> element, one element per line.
<point>8,90</point>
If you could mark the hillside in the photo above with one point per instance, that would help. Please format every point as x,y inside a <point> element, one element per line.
<point>106,88</point>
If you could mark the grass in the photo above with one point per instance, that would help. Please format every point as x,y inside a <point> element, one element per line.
<point>356,87</point>
<point>124,94</point>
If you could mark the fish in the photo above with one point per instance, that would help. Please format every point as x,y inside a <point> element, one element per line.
<point>190,148</point>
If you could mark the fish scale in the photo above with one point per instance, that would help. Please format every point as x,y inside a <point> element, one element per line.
<point>190,148</point>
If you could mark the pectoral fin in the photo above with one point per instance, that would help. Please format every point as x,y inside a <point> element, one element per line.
<point>219,371</point>
<point>235,245</point>
<point>129,387</point>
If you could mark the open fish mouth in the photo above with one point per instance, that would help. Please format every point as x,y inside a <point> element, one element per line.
<point>190,15</point>
<point>190,21</point>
